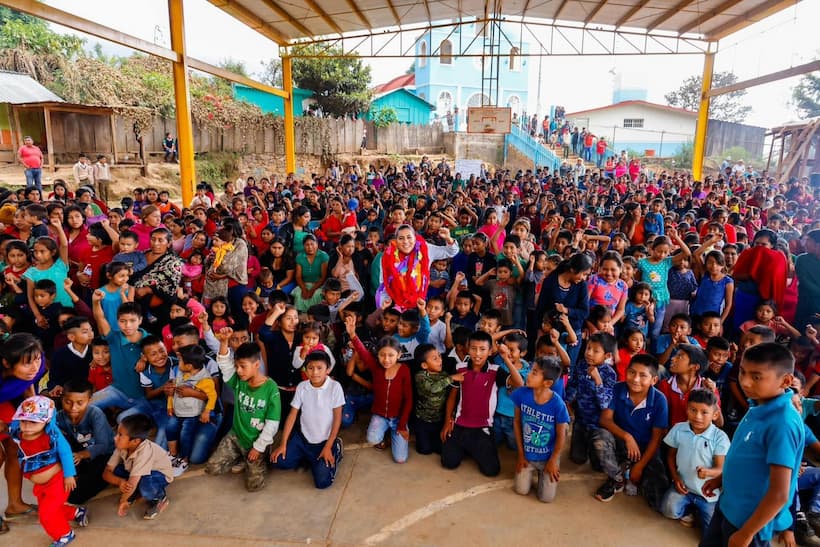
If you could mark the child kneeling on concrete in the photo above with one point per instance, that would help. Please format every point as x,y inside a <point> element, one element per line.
<point>316,442</point>
<point>697,449</point>
<point>541,423</point>
<point>139,467</point>
<point>255,416</point>
<point>631,431</point>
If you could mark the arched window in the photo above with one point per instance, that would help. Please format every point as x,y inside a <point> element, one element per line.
<point>478,99</point>
<point>422,54</point>
<point>445,52</point>
<point>514,103</point>
<point>444,104</point>
<point>515,59</point>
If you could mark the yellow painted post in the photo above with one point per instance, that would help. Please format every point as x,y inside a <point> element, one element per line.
<point>703,116</point>
<point>182,100</point>
<point>290,132</point>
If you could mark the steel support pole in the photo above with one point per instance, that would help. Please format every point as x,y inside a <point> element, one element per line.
<point>290,131</point>
<point>703,116</point>
<point>182,102</point>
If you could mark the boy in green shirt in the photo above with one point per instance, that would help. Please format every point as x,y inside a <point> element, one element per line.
<point>256,413</point>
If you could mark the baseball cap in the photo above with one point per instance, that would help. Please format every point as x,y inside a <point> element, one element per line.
<point>35,409</point>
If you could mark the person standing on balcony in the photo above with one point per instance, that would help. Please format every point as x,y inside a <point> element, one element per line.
<point>574,140</point>
<point>589,140</point>
<point>600,151</point>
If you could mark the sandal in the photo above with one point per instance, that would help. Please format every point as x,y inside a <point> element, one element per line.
<point>16,516</point>
<point>380,446</point>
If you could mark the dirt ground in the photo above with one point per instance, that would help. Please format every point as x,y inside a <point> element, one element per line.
<point>375,502</point>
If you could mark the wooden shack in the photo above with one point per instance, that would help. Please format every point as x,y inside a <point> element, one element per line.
<point>799,149</point>
<point>62,130</point>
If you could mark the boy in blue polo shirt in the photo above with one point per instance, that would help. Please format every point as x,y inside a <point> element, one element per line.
<point>630,434</point>
<point>760,472</point>
<point>125,393</point>
<point>697,449</point>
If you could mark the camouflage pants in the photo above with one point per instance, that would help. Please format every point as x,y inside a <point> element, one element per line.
<point>611,452</point>
<point>228,453</point>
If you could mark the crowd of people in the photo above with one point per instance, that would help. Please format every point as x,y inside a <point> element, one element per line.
<point>661,328</point>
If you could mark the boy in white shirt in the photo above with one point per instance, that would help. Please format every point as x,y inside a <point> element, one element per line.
<point>320,399</point>
<point>697,449</point>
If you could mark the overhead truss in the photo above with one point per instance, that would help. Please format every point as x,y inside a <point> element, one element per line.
<point>544,39</point>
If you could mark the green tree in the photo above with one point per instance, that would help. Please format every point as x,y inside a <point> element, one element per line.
<point>341,84</point>
<point>8,14</point>
<point>385,116</point>
<point>806,96</point>
<point>19,31</point>
<point>727,107</point>
<point>272,72</point>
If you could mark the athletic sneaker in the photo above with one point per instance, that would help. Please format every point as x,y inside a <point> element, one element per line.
<point>81,516</point>
<point>155,508</point>
<point>687,520</point>
<point>608,490</point>
<point>179,466</point>
<point>65,540</point>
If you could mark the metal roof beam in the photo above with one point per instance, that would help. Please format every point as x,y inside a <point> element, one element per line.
<point>244,16</point>
<point>394,12</point>
<point>666,15</point>
<point>352,4</point>
<point>317,9</point>
<point>427,10</point>
<point>48,13</point>
<point>632,11</point>
<point>560,9</point>
<point>288,18</point>
<point>760,80</point>
<point>751,16</point>
<point>594,12</point>
<point>712,13</point>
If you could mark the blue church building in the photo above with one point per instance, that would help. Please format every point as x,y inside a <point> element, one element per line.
<point>448,81</point>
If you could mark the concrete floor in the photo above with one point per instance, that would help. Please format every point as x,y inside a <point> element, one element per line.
<point>375,502</point>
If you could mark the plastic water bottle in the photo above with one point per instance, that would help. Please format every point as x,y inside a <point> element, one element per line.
<point>629,488</point>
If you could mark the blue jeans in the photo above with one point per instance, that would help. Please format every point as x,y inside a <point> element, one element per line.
<point>113,397</point>
<point>195,438</point>
<point>235,296</point>
<point>353,404</point>
<point>151,487</point>
<point>810,480</point>
<point>675,504</point>
<point>34,177</point>
<point>657,326</point>
<point>300,451</point>
<point>503,431</point>
<point>574,351</point>
<point>379,425</point>
<point>587,153</point>
<point>158,413</point>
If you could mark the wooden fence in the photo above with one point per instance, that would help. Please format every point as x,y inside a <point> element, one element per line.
<point>317,136</point>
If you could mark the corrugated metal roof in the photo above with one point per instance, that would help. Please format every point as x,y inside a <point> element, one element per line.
<point>18,88</point>
<point>287,21</point>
